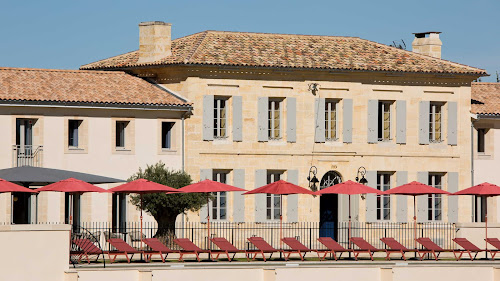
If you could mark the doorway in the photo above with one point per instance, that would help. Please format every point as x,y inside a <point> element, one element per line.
<point>329,206</point>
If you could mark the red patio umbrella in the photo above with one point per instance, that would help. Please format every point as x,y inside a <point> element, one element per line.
<point>350,188</point>
<point>71,186</point>
<point>209,186</point>
<point>7,186</point>
<point>280,188</point>
<point>415,189</point>
<point>141,187</point>
<point>483,190</point>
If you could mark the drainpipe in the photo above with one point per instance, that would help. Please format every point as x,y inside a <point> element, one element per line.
<point>474,118</point>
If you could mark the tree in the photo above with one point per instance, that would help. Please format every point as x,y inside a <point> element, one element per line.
<point>166,207</point>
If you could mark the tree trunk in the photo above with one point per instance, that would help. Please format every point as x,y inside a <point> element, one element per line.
<point>166,229</point>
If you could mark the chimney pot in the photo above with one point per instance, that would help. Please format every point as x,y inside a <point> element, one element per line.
<point>427,43</point>
<point>155,41</point>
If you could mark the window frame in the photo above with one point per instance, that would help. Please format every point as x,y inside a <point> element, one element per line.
<point>433,106</point>
<point>435,201</point>
<point>166,144</point>
<point>271,118</point>
<point>273,201</point>
<point>70,133</point>
<point>383,201</point>
<point>122,131</point>
<point>331,118</point>
<point>215,206</point>
<point>221,132</point>
<point>383,106</point>
<point>481,140</point>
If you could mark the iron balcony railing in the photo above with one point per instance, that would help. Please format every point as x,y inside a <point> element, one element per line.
<point>27,155</point>
<point>306,232</point>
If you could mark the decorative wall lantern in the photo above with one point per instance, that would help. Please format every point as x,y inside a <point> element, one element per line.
<point>312,179</point>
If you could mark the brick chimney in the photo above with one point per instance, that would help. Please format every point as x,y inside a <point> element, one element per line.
<point>427,43</point>
<point>155,41</point>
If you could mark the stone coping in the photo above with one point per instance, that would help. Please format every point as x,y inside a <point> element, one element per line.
<point>34,227</point>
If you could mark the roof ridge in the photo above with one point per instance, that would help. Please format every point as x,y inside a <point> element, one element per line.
<point>2,68</point>
<point>197,45</point>
<point>109,58</point>
<point>285,34</point>
<point>422,55</point>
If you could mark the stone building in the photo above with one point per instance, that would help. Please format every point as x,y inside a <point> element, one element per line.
<point>99,122</point>
<point>486,145</point>
<point>271,106</point>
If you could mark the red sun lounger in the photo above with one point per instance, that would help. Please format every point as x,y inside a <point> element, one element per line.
<point>495,243</point>
<point>262,248</point>
<point>363,247</point>
<point>225,248</point>
<point>295,247</point>
<point>430,248</point>
<point>189,247</point>
<point>332,246</point>
<point>122,249</point>
<point>157,248</point>
<point>468,248</point>
<point>394,247</point>
<point>87,248</point>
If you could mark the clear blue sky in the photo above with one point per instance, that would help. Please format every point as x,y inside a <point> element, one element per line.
<point>67,34</point>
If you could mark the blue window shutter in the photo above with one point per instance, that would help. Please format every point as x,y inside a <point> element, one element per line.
<point>347,118</point>
<point>401,200</point>
<point>452,200</point>
<point>291,119</point>
<point>422,200</point>
<point>204,174</point>
<point>372,133</point>
<point>237,118</point>
<point>292,212</point>
<point>319,120</point>
<point>371,199</point>
<point>260,199</point>
<point>238,197</point>
<point>423,121</point>
<point>401,121</point>
<point>208,117</point>
<point>452,123</point>
<point>262,120</point>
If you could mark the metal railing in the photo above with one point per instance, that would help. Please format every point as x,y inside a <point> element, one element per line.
<point>306,232</point>
<point>27,155</point>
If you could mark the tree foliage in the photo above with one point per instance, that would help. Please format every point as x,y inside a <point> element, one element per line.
<point>166,207</point>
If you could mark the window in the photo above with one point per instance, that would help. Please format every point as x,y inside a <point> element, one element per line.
<point>383,201</point>
<point>73,126</point>
<point>331,120</point>
<point>384,120</point>
<point>434,201</point>
<point>166,134</point>
<point>481,140</point>
<point>119,212</point>
<point>219,201</point>
<point>435,122</point>
<point>72,209</point>
<point>273,201</point>
<point>220,117</point>
<point>120,133</point>
<point>274,119</point>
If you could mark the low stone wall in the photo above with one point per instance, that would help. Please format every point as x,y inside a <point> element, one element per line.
<point>34,252</point>
<point>399,271</point>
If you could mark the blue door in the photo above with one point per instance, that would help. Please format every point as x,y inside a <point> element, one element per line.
<point>328,206</point>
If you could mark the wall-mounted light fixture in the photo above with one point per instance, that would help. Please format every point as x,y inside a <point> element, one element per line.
<point>312,179</point>
<point>313,88</point>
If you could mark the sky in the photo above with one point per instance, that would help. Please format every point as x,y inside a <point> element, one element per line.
<point>67,34</point>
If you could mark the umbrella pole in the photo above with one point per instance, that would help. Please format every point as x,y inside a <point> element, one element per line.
<point>486,222</point>
<point>208,224</point>
<point>141,221</point>
<point>281,222</point>
<point>349,234</point>
<point>414,222</point>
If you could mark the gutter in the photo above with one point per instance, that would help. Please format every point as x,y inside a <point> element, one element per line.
<point>94,105</point>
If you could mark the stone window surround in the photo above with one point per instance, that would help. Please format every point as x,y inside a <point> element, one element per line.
<point>82,135</point>
<point>129,136</point>
<point>175,137</point>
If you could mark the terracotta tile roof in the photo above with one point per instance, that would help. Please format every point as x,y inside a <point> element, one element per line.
<point>290,51</point>
<point>101,87</point>
<point>485,98</point>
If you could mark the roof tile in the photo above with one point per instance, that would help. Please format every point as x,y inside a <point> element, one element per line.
<point>485,98</point>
